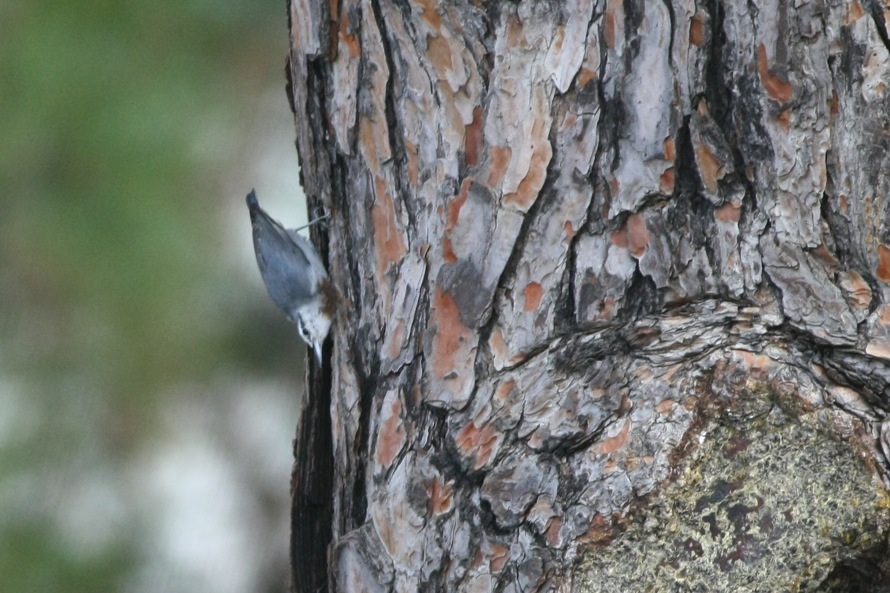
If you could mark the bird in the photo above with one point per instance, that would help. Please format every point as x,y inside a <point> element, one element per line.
<point>294,275</point>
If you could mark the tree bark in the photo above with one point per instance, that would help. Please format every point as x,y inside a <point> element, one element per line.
<point>614,281</point>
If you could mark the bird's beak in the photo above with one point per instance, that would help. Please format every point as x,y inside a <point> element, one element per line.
<point>316,348</point>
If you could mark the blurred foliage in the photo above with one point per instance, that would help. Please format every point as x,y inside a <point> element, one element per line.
<point>119,124</point>
<point>105,107</point>
<point>34,561</point>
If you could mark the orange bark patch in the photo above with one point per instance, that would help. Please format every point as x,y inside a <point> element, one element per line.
<point>477,558</point>
<point>883,271</point>
<point>644,374</point>
<point>835,103</point>
<point>534,292</point>
<point>455,204</point>
<point>844,205</point>
<point>498,558</point>
<point>332,43</point>
<point>668,374</point>
<point>351,43</point>
<point>619,238</point>
<point>441,497</point>
<point>454,207</point>
<point>696,31</point>
<point>585,75</point>
<point>637,235</point>
<point>448,255</point>
<point>608,308</point>
<point>515,33</point>
<point>450,333</point>
<point>368,141</point>
<point>559,37</point>
<point>756,363</point>
<point>854,12</point>
<point>664,406</point>
<point>569,230</point>
<point>777,89</point>
<point>430,14</point>
<point>416,396</point>
<point>670,149</point>
<point>728,212</point>
<point>609,28</point>
<point>610,445</point>
<point>502,393</point>
<point>552,531</point>
<point>709,168</point>
<point>411,152</point>
<point>477,443</point>
<point>666,181</point>
<point>387,238</point>
<point>527,192</point>
<point>439,52</point>
<point>497,344</point>
<point>473,139</point>
<point>498,159</point>
<point>827,258</point>
<point>859,291</point>
<point>599,531</point>
<point>784,119</point>
<point>398,339</point>
<point>391,437</point>
<point>878,348</point>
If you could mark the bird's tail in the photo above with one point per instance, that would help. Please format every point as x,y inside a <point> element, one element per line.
<point>252,203</point>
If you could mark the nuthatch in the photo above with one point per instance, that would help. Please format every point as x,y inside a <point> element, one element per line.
<point>294,276</point>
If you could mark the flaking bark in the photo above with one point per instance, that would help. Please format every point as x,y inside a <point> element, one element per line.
<point>585,248</point>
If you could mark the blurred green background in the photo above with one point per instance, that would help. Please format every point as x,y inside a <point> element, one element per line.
<point>148,389</point>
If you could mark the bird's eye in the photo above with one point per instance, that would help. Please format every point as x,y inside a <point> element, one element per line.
<point>302,329</point>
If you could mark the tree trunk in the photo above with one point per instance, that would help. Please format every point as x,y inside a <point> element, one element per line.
<point>615,282</point>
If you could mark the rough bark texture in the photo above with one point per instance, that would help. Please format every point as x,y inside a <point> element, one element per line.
<point>616,294</point>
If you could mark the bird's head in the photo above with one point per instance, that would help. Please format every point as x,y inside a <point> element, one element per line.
<point>313,324</point>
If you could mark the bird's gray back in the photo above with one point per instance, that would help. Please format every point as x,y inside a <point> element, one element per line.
<point>315,263</point>
<point>288,264</point>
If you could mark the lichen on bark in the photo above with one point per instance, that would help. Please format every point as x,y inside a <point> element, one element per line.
<point>770,500</point>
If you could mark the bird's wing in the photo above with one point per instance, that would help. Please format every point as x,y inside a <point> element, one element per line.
<point>288,273</point>
<point>315,263</point>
